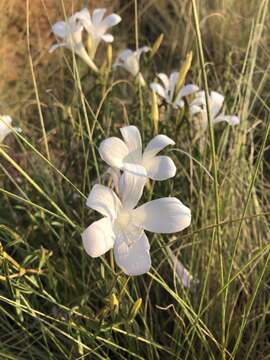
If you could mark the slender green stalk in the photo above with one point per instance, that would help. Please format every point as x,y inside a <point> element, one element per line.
<point>214,160</point>
<point>35,185</point>
<point>34,81</point>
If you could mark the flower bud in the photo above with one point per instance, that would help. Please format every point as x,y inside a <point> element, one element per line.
<point>156,45</point>
<point>183,73</point>
<point>135,308</point>
<point>155,112</point>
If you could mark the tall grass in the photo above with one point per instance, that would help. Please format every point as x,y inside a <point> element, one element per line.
<point>58,303</point>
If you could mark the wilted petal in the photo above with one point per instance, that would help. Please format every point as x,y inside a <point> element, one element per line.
<point>98,238</point>
<point>131,185</point>
<point>158,89</point>
<point>103,200</point>
<point>113,151</point>
<point>158,143</point>
<point>182,274</point>
<point>216,102</point>
<point>160,167</point>
<point>131,252</point>
<point>132,138</point>
<point>231,120</point>
<point>166,215</point>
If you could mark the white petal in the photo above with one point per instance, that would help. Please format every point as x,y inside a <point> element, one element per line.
<point>125,54</point>
<point>165,80</point>
<point>158,143</point>
<point>194,109</point>
<point>165,216</point>
<point>56,46</point>
<point>111,20</point>
<point>103,200</point>
<point>131,185</point>
<point>158,89</point>
<point>141,50</point>
<point>113,151</point>
<point>107,38</point>
<point>231,120</point>
<point>216,102</point>
<point>160,168</point>
<point>132,255</point>
<point>60,29</point>
<point>188,90</point>
<point>5,126</point>
<point>97,16</point>
<point>172,83</point>
<point>98,238</point>
<point>132,138</point>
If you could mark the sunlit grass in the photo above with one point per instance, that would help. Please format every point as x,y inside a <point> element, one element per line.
<point>58,303</point>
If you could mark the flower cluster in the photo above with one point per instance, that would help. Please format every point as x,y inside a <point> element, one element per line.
<point>123,225</point>
<point>97,26</point>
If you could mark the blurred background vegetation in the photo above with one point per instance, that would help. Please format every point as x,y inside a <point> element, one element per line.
<point>57,303</point>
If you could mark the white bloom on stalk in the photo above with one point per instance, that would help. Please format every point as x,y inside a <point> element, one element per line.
<point>122,227</point>
<point>97,26</point>
<point>168,88</point>
<point>216,100</point>
<point>130,61</point>
<point>70,32</point>
<point>6,127</point>
<point>121,154</point>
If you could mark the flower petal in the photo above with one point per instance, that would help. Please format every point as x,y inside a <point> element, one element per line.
<point>5,126</point>
<point>98,238</point>
<point>165,216</point>
<point>56,46</point>
<point>158,89</point>
<point>107,38</point>
<point>103,200</point>
<point>216,102</point>
<point>132,255</point>
<point>60,29</point>
<point>158,143</point>
<point>231,120</point>
<point>159,167</point>
<point>131,185</point>
<point>165,80</point>
<point>132,138</point>
<point>113,151</point>
<point>111,20</point>
<point>188,90</point>
<point>97,16</point>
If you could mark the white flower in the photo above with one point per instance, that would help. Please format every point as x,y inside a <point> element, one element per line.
<point>130,61</point>
<point>120,154</point>
<point>123,226</point>
<point>71,34</point>
<point>216,100</point>
<point>5,127</point>
<point>167,89</point>
<point>97,26</point>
